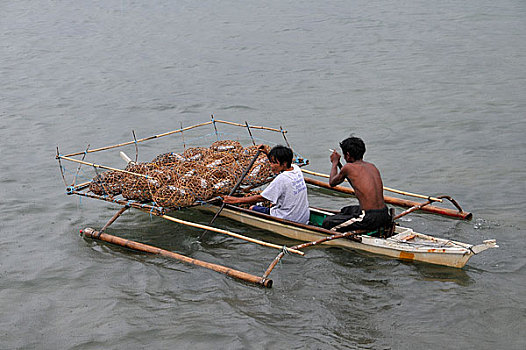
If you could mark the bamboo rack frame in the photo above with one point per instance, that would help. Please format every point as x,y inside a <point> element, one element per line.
<point>180,130</point>
<point>213,121</point>
<point>97,166</point>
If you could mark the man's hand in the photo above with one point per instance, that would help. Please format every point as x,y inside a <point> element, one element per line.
<point>335,157</point>
<point>263,148</point>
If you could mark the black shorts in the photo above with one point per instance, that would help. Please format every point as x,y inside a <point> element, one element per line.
<point>354,218</point>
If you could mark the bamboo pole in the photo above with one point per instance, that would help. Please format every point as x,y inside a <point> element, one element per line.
<point>250,133</point>
<point>397,201</point>
<point>136,205</point>
<point>141,140</point>
<point>91,233</point>
<point>229,233</point>
<point>136,147</point>
<point>435,199</point>
<point>78,169</point>
<point>182,136</point>
<point>215,127</point>
<point>251,126</point>
<point>71,189</point>
<point>114,217</point>
<point>173,132</point>
<point>284,137</point>
<point>412,209</point>
<point>61,168</point>
<point>99,166</point>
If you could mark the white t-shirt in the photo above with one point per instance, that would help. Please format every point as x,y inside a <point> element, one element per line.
<point>288,193</point>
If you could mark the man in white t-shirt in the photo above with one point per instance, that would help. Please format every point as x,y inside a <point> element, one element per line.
<point>287,192</point>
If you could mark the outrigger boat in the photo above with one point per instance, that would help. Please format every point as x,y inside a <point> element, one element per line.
<point>173,191</point>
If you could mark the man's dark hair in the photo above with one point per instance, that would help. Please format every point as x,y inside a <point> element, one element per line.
<point>281,154</point>
<point>354,146</point>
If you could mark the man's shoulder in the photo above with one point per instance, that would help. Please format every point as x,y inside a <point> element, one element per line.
<point>358,165</point>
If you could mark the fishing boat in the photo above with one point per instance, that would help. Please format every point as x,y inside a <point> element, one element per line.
<point>196,178</point>
<point>404,243</point>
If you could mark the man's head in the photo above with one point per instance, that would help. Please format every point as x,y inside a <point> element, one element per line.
<point>281,155</point>
<point>353,147</point>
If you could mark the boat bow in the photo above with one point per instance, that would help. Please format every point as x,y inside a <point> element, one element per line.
<point>487,244</point>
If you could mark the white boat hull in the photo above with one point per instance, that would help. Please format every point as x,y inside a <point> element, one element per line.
<point>405,244</point>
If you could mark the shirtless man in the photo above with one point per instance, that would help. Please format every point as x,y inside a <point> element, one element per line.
<point>367,184</point>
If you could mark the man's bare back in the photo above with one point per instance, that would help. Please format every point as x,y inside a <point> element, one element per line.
<point>367,184</point>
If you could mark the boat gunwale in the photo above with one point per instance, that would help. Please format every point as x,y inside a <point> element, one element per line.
<point>391,243</point>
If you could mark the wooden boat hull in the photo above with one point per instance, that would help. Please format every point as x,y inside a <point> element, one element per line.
<point>405,244</point>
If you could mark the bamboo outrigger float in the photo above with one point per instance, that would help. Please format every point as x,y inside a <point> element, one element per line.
<point>167,188</point>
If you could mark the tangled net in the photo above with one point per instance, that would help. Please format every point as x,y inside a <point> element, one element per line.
<point>175,180</point>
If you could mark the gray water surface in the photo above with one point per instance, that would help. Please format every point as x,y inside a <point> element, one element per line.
<point>436,89</point>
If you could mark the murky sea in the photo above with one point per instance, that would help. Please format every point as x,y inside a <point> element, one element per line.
<point>436,90</point>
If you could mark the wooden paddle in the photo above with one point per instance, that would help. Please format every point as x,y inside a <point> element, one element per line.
<point>234,189</point>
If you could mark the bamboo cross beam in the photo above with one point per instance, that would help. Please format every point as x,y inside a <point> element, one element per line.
<point>349,234</point>
<point>91,233</point>
<point>398,201</point>
<point>130,203</point>
<point>434,199</point>
<point>96,166</point>
<point>251,126</point>
<point>78,187</point>
<point>113,218</point>
<point>228,233</point>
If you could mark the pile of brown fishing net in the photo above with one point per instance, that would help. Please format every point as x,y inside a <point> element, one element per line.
<point>178,180</point>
